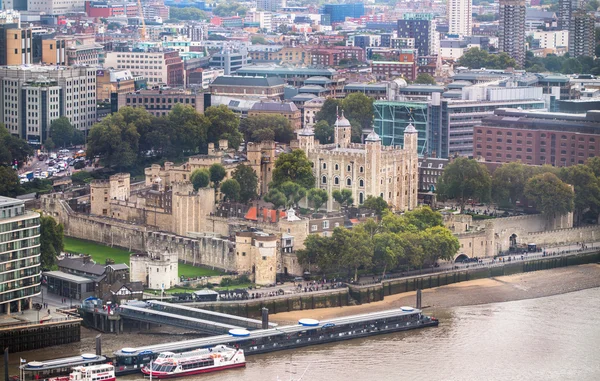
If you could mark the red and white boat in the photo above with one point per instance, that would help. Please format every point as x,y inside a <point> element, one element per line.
<point>220,357</point>
<point>101,372</point>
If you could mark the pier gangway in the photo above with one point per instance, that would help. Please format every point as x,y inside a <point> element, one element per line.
<point>152,316</point>
<point>199,313</point>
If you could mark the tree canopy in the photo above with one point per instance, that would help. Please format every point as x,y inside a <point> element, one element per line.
<point>13,148</point>
<point>200,178</point>
<point>323,132</point>
<point>295,167</point>
<point>378,204</point>
<point>343,197</point>
<point>231,190</point>
<point>9,182</point>
<point>248,180</point>
<point>318,197</point>
<point>187,13</point>
<point>357,108</point>
<point>476,58</point>
<point>551,196</point>
<point>51,241</point>
<point>397,242</point>
<point>258,128</point>
<point>425,79</point>
<point>224,124</point>
<point>62,131</point>
<point>586,185</point>
<point>465,179</point>
<point>226,9</point>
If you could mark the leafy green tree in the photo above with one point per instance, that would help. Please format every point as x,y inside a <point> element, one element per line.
<point>116,138</point>
<point>329,111</point>
<point>226,9</point>
<point>13,148</point>
<point>378,204</point>
<point>424,218</point>
<point>246,177</point>
<point>425,79</point>
<point>51,241</point>
<point>476,58</point>
<point>551,196</point>
<point>355,247</point>
<point>9,182</point>
<point>323,132</point>
<point>62,131</point>
<point>187,130</point>
<point>49,144</point>
<point>318,197</point>
<point>388,251</point>
<point>439,243</point>
<point>508,184</point>
<point>464,179</point>
<point>343,197</point>
<point>594,164</point>
<point>258,128</point>
<point>217,174</point>
<point>359,107</point>
<point>224,124</point>
<point>293,192</point>
<point>187,13</point>
<point>258,40</point>
<point>320,251</point>
<point>231,190</point>
<point>81,177</point>
<point>276,197</point>
<point>587,189</point>
<point>295,167</point>
<point>571,66</point>
<point>200,178</point>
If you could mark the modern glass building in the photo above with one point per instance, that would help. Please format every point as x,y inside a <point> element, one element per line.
<point>339,12</point>
<point>20,269</point>
<point>445,126</point>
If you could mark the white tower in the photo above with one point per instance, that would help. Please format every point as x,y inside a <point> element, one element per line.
<point>460,17</point>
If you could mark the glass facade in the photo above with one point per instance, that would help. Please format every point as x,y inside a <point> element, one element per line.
<point>391,119</point>
<point>19,255</point>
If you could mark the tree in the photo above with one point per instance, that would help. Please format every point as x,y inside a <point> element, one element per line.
<point>387,251</point>
<point>217,174</point>
<point>343,197</point>
<point>187,130</point>
<point>258,40</point>
<point>277,198</point>
<point>258,128</point>
<point>231,190</point>
<point>246,177</point>
<point>49,144</point>
<point>200,178</point>
<point>51,241</point>
<point>355,247</point>
<point>439,243</point>
<point>295,167</point>
<point>378,204</point>
<point>476,58</point>
<point>224,124</point>
<point>329,111</point>
<point>551,196</point>
<point>116,138</point>
<point>359,110</point>
<point>508,184</point>
<point>13,148</point>
<point>425,79</point>
<point>187,13</point>
<point>323,132</point>
<point>587,189</point>
<point>9,182</point>
<point>318,197</point>
<point>226,9</point>
<point>293,192</point>
<point>594,164</point>
<point>318,250</point>
<point>62,131</point>
<point>464,179</point>
<point>571,66</point>
<point>423,218</point>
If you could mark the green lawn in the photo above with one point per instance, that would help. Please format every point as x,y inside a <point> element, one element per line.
<point>98,252</point>
<point>101,252</point>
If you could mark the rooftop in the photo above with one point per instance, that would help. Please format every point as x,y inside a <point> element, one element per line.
<point>275,107</point>
<point>238,80</point>
<point>69,277</point>
<point>8,201</point>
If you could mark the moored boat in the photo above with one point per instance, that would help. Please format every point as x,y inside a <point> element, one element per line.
<point>170,365</point>
<point>102,372</point>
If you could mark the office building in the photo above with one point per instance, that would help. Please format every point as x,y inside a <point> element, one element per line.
<point>405,67</point>
<point>422,28</point>
<point>338,12</point>
<point>551,39</point>
<point>33,96</point>
<point>56,7</point>
<point>270,5</point>
<point>109,81</point>
<point>229,61</point>
<point>20,269</point>
<point>445,126</point>
<point>566,8</point>
<point>159,67</point>
<point>160,102</point>
<point>582,34</point>
<point>248,87</point>
<point>538,138</point>
<point>511,36</point>
<point>460,17</point>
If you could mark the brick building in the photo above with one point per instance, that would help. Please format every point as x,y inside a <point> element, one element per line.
<point>160,102</point>
<point>285,109</point>
<point>538,138</point>
<point>333,56</point>
<point>248,87</point>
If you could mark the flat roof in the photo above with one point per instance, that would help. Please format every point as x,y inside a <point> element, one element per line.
<point>68,277</point>
<point>9,201</point>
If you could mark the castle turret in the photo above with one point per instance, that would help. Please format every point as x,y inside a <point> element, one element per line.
<point>411,138</point>
<point>342,132</point>
<point>306,139</point>
<point>410,146</point>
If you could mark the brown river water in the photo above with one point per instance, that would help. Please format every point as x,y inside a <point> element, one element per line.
<point>550,338</point>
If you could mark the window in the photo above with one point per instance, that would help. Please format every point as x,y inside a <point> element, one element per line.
<point>313,228</point>
<point>348,182</point>
<point>324,180</point>
<point>324,165</point>
<point>349,168</point>
<point>361,169</point>
<point>336,180</point>
<point>337,167</point>
<point>361,183</point>
<point>325,224</point>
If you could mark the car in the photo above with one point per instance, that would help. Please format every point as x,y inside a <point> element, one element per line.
<point>23,181</point>
<point>63,151</point>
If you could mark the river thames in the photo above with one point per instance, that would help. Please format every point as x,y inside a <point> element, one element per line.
<point>550,338</point>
